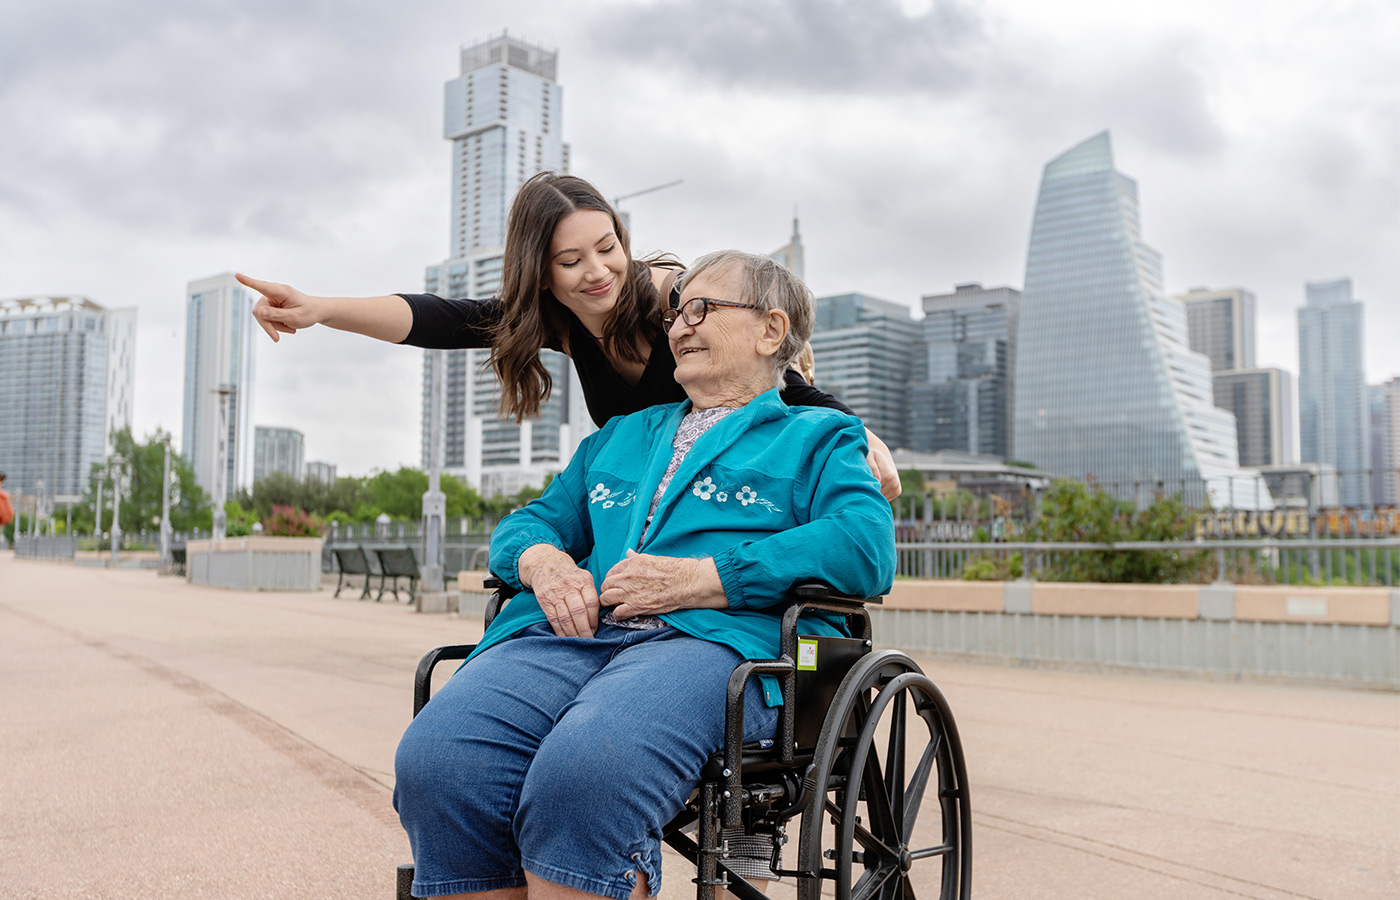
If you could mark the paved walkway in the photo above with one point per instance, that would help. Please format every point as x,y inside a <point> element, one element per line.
<point>163,739</point>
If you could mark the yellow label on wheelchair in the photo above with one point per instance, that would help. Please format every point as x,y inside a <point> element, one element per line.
<point>807,654</point>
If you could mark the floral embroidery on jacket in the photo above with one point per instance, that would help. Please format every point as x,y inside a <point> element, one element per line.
<point>603,494</point>
<point>706,488</point>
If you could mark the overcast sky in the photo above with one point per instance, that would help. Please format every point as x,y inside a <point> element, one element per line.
<point>149,143</point>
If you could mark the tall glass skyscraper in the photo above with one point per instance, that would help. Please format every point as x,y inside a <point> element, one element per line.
<point>502,115</point>
<point>1333,407</point>
<point>218,408</point>
<point>1106,382</point>
<point>66,366</point>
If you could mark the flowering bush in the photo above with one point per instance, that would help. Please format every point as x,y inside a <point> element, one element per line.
<point>287,521</point>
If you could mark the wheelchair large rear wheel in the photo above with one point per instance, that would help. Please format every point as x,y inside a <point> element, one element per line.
<point>875,826</point>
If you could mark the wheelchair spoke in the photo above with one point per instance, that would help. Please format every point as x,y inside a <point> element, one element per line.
<point>914,796</point>
<point>877,799</point>
<point>894,761</point>
<point>876,883</point>
<point>869,842</point>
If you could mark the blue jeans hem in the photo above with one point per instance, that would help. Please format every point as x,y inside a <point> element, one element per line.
<point>465,886</point>
<point>613,889</point>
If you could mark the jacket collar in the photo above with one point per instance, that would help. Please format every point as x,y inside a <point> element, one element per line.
<point>721,436</point>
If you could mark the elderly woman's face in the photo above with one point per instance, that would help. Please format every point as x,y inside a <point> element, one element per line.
<point>722,352</point>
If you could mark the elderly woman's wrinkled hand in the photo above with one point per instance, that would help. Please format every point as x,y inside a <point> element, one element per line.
<point>646,585</point>
<point>565,592</point>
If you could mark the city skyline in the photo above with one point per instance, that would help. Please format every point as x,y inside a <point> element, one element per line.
<point>315,156</point>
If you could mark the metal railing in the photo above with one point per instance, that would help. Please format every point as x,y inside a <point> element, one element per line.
<point>1371,561</point>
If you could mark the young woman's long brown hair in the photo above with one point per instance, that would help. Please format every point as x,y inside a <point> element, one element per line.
<point>531,318</point>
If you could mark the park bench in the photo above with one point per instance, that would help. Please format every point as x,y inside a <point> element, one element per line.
<point>396,563</point>
<point>353,561</point>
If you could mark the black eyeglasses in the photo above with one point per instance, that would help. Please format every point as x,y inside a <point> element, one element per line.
<point>693,311</point>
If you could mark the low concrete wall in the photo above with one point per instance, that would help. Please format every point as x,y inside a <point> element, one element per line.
<point>44,547</point>
<point>256,563</point>
<point>1341,635</point>
<point>1344,635</point>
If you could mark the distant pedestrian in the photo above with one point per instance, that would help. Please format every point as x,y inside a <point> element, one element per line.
<point>7,512</point>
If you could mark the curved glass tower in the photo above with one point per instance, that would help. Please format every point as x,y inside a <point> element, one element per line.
<point>1106,383</point>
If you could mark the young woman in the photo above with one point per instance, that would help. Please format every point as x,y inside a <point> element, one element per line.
<point>569,284</point>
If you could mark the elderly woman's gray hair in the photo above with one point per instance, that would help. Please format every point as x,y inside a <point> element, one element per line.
<point>767,284</point>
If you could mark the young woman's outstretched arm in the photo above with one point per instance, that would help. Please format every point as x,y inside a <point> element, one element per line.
<point>283,309</point>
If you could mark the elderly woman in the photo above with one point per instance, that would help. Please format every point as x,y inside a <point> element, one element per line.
<point>649,568</point>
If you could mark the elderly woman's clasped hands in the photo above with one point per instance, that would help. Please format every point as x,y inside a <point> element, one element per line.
<point>639,585</point>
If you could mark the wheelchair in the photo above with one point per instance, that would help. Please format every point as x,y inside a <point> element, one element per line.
<point>857,810</point>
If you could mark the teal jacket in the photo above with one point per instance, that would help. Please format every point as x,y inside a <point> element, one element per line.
<point>774,494</point>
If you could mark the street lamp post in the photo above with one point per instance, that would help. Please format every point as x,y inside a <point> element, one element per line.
<point>434,501</point>
<point>165,508</point>
<point>97,522</point>
<point>116,464</point>
<point>221,473</point>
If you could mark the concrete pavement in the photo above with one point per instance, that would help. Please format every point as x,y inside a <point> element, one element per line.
<point>160,738</point>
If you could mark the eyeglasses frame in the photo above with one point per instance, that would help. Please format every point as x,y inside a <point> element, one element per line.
<point>671,314</point>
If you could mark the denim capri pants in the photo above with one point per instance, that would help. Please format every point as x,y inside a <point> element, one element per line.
<point>564,757</point>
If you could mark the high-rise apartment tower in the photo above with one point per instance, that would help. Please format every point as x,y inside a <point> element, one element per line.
<point>218,408</point>
<point>1333,407</point>
<point>66,366</point>
<point>502,115</point>
<point>961,398</point>
<point>281,450</point>
<point>1221,325</point>
<point>862,346</point>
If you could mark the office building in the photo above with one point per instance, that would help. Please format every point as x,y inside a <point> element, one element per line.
<point>319,470</point>
<point>862,348</point>
<point>961,398</point>
<point>218,407</point>
<point>1221,324</point>
<point>1261,401</point>
<point>280,450</point>
<point>1333,408</point>
<point>66,366</point>
<point>502,115</point>
<point>1106,382</point>
<point>1385,442</point>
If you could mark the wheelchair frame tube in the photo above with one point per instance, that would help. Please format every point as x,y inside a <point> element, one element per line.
<point>786,668</point>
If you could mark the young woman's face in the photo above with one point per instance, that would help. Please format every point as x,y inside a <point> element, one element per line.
<point>587,267</point>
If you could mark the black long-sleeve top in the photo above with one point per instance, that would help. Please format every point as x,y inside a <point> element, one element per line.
<point>440,323</point>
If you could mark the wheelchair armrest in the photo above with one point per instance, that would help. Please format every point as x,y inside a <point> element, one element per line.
<point>820,590</point>
<point>423,678</point>
<point>502,593</point>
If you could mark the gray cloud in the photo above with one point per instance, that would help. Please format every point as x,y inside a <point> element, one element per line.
<point>167,113</point>
<point>836,46</point>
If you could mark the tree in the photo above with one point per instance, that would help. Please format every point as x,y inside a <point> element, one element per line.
<point>144,467</point>
<point>1073,511</point>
